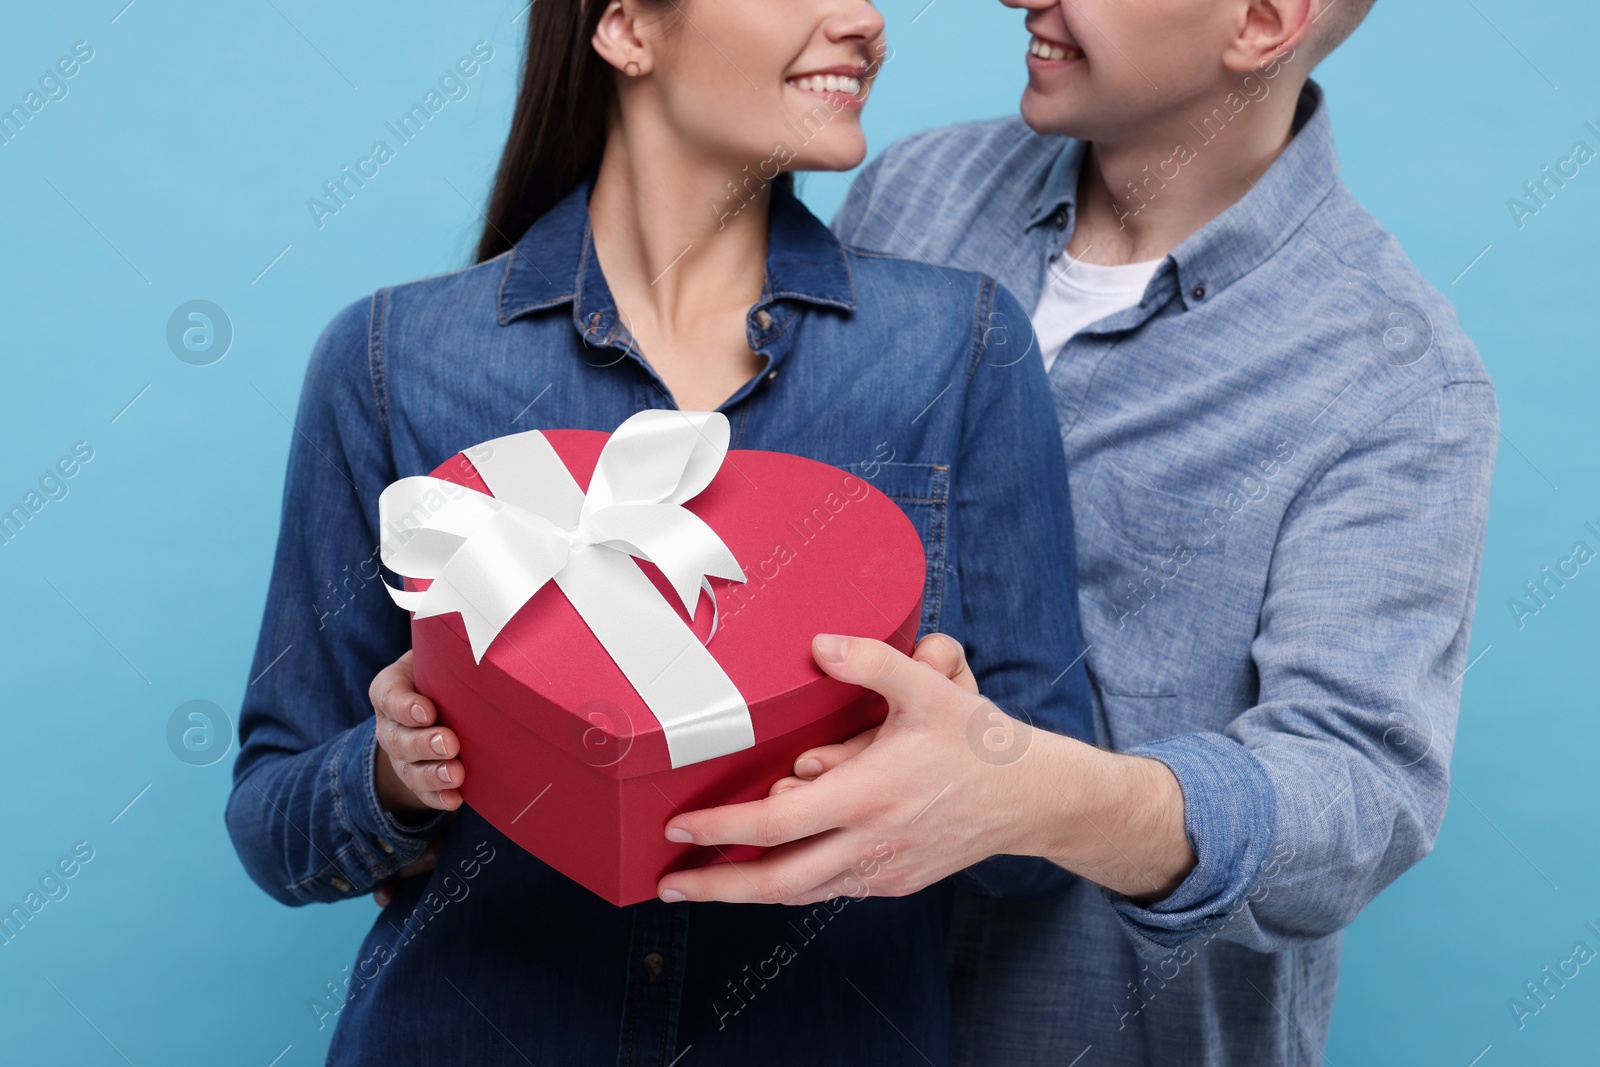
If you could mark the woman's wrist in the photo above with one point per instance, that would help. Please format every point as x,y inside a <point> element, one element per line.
<point>394,795</point>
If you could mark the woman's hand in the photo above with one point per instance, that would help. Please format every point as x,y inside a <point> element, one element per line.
<point>417,769</point>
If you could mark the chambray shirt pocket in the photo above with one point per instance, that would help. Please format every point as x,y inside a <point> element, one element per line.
<point>922,490</point>
<point>1146,552</point>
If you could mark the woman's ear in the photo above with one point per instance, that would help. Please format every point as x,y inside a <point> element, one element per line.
<point>617,40</point>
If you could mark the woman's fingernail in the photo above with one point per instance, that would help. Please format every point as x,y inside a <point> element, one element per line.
<point>678,834</point>
<point>418,715</point>
<point>444,773</point>
<point>807,768</point>
<point>672,896</point>
<point>437,742</point>
<point>831,647</point>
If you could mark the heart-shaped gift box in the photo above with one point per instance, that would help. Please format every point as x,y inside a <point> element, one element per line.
<point>562,753</point>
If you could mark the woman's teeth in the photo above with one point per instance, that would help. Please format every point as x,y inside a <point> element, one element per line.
<point>1046,50</point>
<point>828,83</point>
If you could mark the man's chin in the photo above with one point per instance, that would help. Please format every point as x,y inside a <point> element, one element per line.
<point>1050,115</point>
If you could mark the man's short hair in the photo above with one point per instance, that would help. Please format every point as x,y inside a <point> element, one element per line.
<point>1335,21</point>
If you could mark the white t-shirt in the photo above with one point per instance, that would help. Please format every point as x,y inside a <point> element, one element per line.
<point>1078,294</point>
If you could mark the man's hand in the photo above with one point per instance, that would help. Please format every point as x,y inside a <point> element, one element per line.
<point>915,791</point>
<point>948,780</point>
<point>416,765</point>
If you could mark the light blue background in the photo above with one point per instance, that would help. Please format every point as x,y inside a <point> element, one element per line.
<point>178,168</point>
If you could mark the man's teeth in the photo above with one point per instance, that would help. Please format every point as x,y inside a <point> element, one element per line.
<point>828,83</point>
<point>1045,50</point>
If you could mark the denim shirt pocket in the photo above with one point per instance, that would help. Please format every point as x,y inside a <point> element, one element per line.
<point>922,490</point>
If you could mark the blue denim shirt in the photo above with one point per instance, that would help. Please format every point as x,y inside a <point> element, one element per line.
<point>1280,460</point>
<point>905,374</point>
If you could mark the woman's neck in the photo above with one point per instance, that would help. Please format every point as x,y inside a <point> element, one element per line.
<point>670,249</point>
<point>682,271</point>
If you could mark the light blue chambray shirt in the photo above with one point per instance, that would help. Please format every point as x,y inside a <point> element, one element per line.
<point>1280,463</point>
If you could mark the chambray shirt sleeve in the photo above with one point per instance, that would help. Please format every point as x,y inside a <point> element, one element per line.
<point>1014,550</point>
<point>850,220</point>
<point>304,813</point>
<point>1335,782</point>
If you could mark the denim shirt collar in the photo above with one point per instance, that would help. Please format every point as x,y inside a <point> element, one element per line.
<point>1242,237</point>
<point>555,263</point>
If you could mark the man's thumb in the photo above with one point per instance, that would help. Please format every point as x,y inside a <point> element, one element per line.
<point>871,664</point>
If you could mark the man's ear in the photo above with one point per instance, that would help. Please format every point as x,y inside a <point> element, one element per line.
<point>1268,29</point>
<point>618,41</point>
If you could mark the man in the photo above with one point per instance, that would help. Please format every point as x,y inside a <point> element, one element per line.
<point>1280,444</point>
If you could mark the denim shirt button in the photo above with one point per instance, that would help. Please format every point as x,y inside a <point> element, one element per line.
<point>1198,292</point>
<point>386,846</point>
<point>772,375</point>
<point>341,885</point>
<point>654,963</point>
<point>764,319</point>
<point>1059,219</point>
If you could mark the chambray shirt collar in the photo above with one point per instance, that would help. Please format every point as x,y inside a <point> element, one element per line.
<point>555,263</point>
<point>1257,225</point>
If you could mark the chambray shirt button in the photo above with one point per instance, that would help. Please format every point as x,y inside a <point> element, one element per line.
<point>1198,292</point>
<point>386,846</point>
<point>764,319</point>
<point>653,964</point>
<point>1059,219</point>
<point>772,375</point>
<point>341,885</point>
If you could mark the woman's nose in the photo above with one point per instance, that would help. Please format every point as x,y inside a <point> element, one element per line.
<point>856,20</point>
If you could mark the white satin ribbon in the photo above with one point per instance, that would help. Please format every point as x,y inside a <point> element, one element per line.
<point>487,556</point>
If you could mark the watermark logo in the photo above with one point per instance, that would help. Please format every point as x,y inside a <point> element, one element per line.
<point>199,333</point>
<point>1400,334</point>
<point>997,738</point>
<point>199,733</point>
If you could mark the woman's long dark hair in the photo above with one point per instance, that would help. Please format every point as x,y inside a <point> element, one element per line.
<point>558,129</point>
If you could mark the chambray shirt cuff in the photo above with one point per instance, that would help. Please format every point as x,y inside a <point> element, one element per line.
<point>1230,817</point>
<point>397,843</point>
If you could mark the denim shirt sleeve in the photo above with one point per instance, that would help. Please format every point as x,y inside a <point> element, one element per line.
<point>304,813</point>
<point>1014,547</point>
<point>1341,770</point>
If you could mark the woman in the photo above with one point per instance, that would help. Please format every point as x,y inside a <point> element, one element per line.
<point>643,250</point>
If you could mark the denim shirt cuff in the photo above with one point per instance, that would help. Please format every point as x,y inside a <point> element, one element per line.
<point>1230,817</point>
<point>396,843</point>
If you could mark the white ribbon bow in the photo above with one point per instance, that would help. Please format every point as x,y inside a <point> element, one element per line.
<point>487,556</point>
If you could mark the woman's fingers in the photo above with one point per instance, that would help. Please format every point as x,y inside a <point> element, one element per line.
<point>394,696</point>
<point>430,779</point>
<point>413,744</point>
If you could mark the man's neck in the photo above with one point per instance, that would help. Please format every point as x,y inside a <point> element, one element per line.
<point>1140,198</point>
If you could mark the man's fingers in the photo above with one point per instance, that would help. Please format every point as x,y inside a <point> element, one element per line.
<point>906,685</point>
<point>779,819</point>
<point>944,654</point>
<point>779,877</point>
<point>815,761</point>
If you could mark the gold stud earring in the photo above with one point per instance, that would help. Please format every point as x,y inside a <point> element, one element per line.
<point>632,68</point>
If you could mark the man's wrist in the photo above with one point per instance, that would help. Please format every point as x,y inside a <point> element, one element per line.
<point>1114,819</point>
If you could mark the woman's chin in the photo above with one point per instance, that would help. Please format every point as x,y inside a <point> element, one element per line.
<point>845,153</point>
